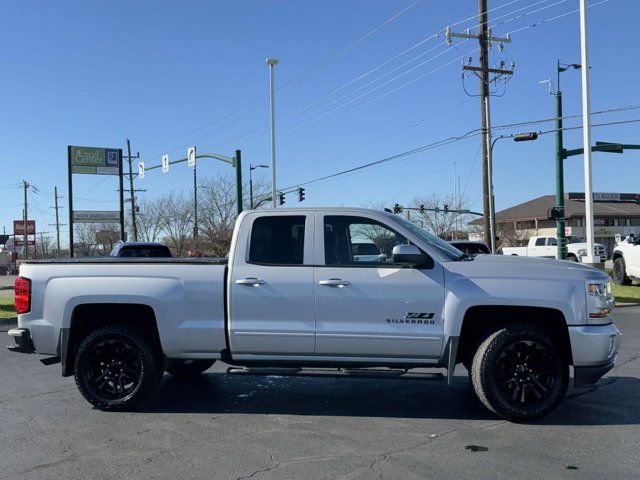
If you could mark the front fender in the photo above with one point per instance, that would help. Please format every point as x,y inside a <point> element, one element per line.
<point>464,293</point>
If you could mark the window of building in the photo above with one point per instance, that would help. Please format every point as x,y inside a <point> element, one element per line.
<point>277,240</point>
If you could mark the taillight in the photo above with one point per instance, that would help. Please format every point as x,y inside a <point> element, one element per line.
<point>22,291</point>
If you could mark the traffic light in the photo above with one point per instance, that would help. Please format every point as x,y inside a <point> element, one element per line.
<point>300,194</point>
<point>281,196</point>
<point>397,208</point>
<point>446,208</point>
<point>638,198</point>
<point>422,209</point>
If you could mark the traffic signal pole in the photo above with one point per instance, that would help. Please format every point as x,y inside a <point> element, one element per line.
<point>560,222</point>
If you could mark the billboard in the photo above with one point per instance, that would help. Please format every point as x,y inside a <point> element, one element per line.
<point>96,216</point>
<point>18,227</point>
<point>94,160</point>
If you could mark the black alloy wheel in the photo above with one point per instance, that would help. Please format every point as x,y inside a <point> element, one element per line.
<point>116,368</point>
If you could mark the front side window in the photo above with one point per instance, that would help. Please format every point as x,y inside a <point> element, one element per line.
<point>359,241</point>
<point>277,240</point>
<point>552,241</point>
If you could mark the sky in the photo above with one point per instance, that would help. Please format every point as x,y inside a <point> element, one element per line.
<point>358,81</point>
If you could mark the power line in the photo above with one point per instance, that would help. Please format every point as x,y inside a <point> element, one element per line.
<point>439,143</point>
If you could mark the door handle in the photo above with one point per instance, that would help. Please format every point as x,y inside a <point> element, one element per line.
<point>334,282</point>
<point>251,281</point>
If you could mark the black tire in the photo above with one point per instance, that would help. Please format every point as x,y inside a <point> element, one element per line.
<point>116,368</point>
<point>188,368</point>
<point>620,272</point>
<point>518,373</point>
<point>572,258</point>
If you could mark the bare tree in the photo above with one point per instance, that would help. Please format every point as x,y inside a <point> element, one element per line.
<point>176,221</point>
<point>444,224</point>
<point>93,239</point>
<point>149,220</point>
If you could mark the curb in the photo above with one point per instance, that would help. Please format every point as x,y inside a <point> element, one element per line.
<point>625,305</point>
<point>10,322</point>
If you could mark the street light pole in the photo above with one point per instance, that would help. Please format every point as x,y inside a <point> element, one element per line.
<point>561,253</point>
<point>586,134</point>
<point>251,169</point>
<point>518,137</point>
<point>272,62</point>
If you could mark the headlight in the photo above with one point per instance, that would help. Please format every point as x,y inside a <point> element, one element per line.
<point>582,252</point>
<point>600,302</point>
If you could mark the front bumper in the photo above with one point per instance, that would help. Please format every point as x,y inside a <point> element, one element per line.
<point>22,340</point>
<point>594,349</point>
<point>585,376</point>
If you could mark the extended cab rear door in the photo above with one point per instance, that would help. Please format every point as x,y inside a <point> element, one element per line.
<point>271,298</point>
<point>367,306</point>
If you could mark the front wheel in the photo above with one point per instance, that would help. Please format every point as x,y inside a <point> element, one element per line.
<point>188,368</point>
<point>518,373</point>
<point>572,258</point>
<point>116,368</point>
<point>620,272</point>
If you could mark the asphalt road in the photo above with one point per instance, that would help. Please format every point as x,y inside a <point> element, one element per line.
<point>226,427</point>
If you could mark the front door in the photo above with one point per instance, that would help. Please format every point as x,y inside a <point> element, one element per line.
<point>366,306</point>
<point>272,295</point>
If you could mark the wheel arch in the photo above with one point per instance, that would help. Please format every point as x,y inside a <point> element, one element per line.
<point>89,316</point>
<point>479,320</point>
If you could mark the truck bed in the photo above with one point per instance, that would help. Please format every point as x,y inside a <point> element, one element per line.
<point>118,260</point>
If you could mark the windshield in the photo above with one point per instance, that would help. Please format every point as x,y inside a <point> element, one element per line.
<point>574,239</point>
<point>445,248</point>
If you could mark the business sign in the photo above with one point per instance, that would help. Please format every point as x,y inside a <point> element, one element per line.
<point>20,243</point>
<point>96,216</point>
<point>191,156</point>
<point>94,160</point>
<point>606,197</point>
<point>18,227</point>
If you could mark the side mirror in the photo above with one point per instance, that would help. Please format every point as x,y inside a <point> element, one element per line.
<point>412,256</point>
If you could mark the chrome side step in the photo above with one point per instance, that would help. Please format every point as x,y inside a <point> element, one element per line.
<point>377,373</point>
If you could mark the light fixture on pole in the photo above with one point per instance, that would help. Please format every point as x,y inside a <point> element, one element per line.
<point>272,62</point>
<point>251,169</point>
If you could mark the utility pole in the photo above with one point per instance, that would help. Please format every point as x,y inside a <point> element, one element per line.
<point>486,39</point>
<point>42,244</point>
<point>57,224</point>
<point>132,191</point>
<point>25,185</point>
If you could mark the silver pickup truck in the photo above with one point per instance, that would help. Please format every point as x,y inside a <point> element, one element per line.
<point>296,298</point>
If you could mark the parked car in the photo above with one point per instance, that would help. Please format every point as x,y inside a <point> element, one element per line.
<point>471,247</point>
<point>547,247</point>
<point>293,299</point>
<point>140,249</point>
<point>626,261</point>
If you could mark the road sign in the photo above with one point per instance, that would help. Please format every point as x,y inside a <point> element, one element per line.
<point>96,216</point>
<point>94,160</point>
<point>191,156</point>
<point>18,227</point>
<point>165,163</point>
<point>141,170</point>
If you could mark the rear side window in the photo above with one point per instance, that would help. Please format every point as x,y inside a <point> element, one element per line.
<point>277,240</point>
<point>540,242</point>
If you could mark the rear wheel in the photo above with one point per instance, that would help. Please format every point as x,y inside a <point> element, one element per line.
<point>620,272</point>
<point>188,368</point>
<point>518,373</point>
<point>116,368</point>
